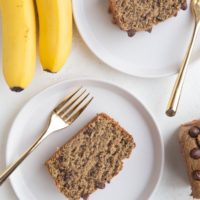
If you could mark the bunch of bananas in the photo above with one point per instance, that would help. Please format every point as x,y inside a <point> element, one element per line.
<point>19,38</point>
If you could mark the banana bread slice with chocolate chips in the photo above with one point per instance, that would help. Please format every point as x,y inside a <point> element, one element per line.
<point>91,158</point>
<point>189,138</point>
<point>141,15</point>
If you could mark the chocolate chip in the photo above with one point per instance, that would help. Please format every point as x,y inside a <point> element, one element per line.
<point>110,160</point>
<point>92,172</point>
<point>61,170</point>
<point>100,185</point>
<point>66,185</point>
<point>85,196</point>
<point>196,175</point>
<point>88,132</point>
<point>67,175</point>
<point>131,33</point>
<point>184,6</point>
<point>61,158</point>
<point>149,30</point>
<point>194,131</point>
<point>175,14</point>
<point>195,153</point>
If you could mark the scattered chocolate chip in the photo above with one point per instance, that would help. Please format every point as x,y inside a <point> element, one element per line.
<point>66,185</point>
<point>100,185</point>
<point>194,131</point>
<point>91,173</point>
<point>88,132</point>
<point>195,153</point>
<point>158,2</point>
<point>149,30</point>
<point>67,175</point>
<point>184,6</point>
<point>196,175</point>
<point>85,196</point>
<point>175,14</point>
<point>131,33</point>
<point>110,160</point>
<point>61,158</point>
<point>61,170</point>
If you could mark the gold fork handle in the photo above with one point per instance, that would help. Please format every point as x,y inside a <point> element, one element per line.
<point>176,93</point>
<point>8,171</point>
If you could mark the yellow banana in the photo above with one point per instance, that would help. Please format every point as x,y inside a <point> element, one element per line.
<point>19,42</point>
<point>55,33</point>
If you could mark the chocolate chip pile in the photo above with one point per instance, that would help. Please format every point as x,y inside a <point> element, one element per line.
<point>194,132</point>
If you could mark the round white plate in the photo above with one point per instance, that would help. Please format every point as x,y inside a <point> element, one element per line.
<point>141,173</point>
<point>145,55</point>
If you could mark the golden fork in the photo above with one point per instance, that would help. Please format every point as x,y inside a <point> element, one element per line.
<point>176,93</point>
<point>62,116</point>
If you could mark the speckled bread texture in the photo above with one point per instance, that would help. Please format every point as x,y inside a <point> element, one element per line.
<point>91,158</point>
<point>188,145</point>
<point>141,15</point>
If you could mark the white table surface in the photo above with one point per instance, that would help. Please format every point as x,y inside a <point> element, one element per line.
<point>154,93</point>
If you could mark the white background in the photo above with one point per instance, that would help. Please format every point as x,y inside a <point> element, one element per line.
<point>154,93</point>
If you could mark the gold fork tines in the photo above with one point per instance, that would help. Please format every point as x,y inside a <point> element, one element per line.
<point>65,108</point>
<point>67,112</point>
<point>76,114</point>
<point>176,92</point>
<point>63,103</point>
<point>62,116</point>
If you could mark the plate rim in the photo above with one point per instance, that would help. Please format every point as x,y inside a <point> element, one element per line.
<point>110,83</point>
<point>106,61</point>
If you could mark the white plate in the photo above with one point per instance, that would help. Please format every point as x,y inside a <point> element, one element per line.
<point>141,172</point>
<point>145,55</point>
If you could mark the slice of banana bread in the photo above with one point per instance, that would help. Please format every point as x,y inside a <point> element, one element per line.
<point>140,15</point>
<point>189,137</point>
<point>91,158</point>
